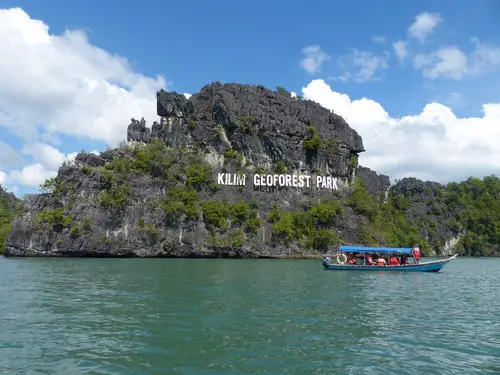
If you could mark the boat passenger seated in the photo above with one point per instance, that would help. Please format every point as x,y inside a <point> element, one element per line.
<point>404,259</point>
<point>381,261</point>
<point>369,260</point>
<point>393,261</point>
<point>352,260</point>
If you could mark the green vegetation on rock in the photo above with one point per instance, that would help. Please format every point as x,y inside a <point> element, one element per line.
<point>181,203</point>
<point>230,154</point>
<point>247,124</point>
<point>313,139</point>
<point>311,228</point>
<point>10,207</point>
<point>314,142</point>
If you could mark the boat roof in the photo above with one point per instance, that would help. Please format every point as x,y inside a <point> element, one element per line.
<point>364,249</point>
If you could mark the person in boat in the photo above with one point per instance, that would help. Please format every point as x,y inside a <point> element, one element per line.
<point>381,261</point>
<point>394,261</point>
<point>369,260</point>
<point>416,255</point>
<point>352,260</point>
<point>404,259</point>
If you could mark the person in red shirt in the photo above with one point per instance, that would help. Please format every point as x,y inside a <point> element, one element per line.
<point>416,255</point>
<point>394,261</point>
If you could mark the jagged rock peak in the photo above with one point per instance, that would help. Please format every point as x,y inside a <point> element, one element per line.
<point>375,183</point>
<point>263,126</point>
<point>224,104</point>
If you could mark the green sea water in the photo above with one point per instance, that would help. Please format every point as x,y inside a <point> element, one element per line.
<point>211,316</point>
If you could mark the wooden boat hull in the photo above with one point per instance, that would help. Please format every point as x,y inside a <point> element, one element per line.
<point>434,266</point>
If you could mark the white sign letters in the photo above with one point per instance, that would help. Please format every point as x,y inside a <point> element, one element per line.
<point>279,180</point>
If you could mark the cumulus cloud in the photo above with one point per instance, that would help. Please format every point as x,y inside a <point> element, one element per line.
<point>400,49</point>
<point>362,66</point>
<point>451,62</point>
<point>2,177</point>
<point>434,144</point>
<point>314,57</point>
<point>63,84</point>
<point>46,163</point>
<point>448,62</point>
<point>32,175</point>
<point>423,25</point>
<point>44,154</point>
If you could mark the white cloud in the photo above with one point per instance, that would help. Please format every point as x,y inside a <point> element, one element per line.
<point>63,84</point>
<point>400,49</point>
<point>362,66</point>
<point>451,62</point>
<point>448,62</point>
<point>46,163</point>
<point>31,175</point>
<point>424,25</point>
<point>48,156</point>
<point>186,95</point>
<point>3,175</point>
<point>314,58</point>
<point>434,144</point>
<point>379,39</point>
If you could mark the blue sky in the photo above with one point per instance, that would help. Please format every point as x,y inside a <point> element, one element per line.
<point>192,43</point>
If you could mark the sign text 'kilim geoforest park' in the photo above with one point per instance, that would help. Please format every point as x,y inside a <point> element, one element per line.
<point>279,180</point>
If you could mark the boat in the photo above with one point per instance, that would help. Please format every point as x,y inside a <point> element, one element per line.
<point>362,254</point>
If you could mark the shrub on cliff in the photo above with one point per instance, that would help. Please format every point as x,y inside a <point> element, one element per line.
<point>216,214</point>
<point>10,207</point>
<point>181,202</point>
<point>198,175</point>
<point>313,139</point>
<point>312,228</point>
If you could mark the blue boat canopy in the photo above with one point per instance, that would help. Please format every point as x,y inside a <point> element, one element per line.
<point>363,249</point>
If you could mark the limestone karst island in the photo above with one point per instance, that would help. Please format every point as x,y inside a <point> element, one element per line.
<point>243,171</point>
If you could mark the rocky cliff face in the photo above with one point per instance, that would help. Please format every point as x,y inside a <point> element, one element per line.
<point>264,127</point>
<point>185,186</point>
